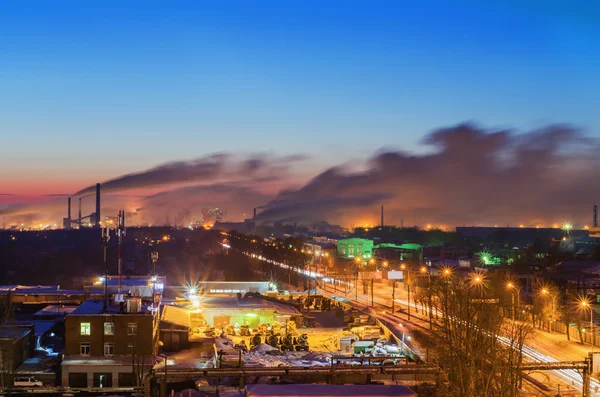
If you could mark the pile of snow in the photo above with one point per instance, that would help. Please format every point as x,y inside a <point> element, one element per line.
<point>263,348</point>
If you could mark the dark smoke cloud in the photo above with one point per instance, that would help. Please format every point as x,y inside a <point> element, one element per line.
<point>473,176</point>
<point>179,171</point>
<point>204,169</point>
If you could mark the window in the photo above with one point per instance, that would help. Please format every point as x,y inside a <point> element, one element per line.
<point>85,329</point>
<point>130,348</point>
<point>109,328</point>
<point>84,349</point>
<point>109,349</point>
<point>131,328</point>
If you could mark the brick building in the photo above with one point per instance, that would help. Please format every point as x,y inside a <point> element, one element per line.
<point>108,348</point>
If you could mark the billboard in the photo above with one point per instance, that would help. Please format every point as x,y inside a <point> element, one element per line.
<point>394,275</point>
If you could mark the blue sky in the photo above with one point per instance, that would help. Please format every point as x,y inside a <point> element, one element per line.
<point>95,89</point>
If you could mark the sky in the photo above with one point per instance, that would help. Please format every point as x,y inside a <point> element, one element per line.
<point>93,90</point>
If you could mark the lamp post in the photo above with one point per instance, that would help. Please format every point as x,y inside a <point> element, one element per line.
<point>424,271</point>
<point>511,286</point>
<point>358,260</point>
<point>407,282</point>
<point>585,304</point>
<point>546,292</point>
<point>105,239</point>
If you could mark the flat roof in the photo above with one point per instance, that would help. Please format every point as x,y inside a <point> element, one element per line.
<point>38,289</point>
<point>55,310</point>
<point>14,333</point>
<point>251,303</point>
<point>113,360</point>
<point>93,306</point>
<point>301,390</point>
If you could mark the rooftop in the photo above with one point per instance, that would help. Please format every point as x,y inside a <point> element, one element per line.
<point>293,390</point>
<point>55,311</point>
<point>14,333</point>
<point>250,303</point>
<point>93,306</point>
<point>37,289</point>
<point>113,360</point>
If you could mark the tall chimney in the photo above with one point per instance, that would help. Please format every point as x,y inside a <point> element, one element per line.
<point>595,215</point>
<point>97,205</point>
<point>254,212</point>
<point>68,225</point>
<point>79,220</point>
<point>382,224</point>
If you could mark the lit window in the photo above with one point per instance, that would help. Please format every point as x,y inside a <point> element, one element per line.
<point>109,349</point>
<point>109,328</point>
<point>84,349</point>
<point>131,328</point>
<point>85,329</point>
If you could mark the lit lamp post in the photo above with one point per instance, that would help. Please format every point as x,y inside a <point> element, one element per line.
<point>585,305</point>
<point>546,292</point>
<point>511,286</point>
<point>407,282</point>
<point>477,282</point>
<point>358,260</point>
<point>424,271</point>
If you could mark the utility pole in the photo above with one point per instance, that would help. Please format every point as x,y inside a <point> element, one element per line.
<point>407,283</point>
<point>154,257</point>
<point>120,234</point>
<point>393,296</point>
<point>372,296</point>
<point>105,239</point>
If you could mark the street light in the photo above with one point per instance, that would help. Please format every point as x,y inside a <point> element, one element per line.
<point>424,271</point>
<point>407,283</point>
<point>511,286</point>
<point>446,272</point>
<point>585,305</point>
<point>546,292</point>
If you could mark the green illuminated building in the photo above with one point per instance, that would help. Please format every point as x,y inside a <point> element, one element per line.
<point>353,247</point>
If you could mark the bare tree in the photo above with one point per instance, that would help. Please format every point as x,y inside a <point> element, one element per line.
<point>477,347</point>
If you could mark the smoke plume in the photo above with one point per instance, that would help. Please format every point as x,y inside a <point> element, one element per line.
<point>468,175</point>
<point>473,176</point>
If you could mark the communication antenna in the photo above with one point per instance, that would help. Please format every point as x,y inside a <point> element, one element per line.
<point>154,257</point>
<point>105,239</point>
<point>120,234</point>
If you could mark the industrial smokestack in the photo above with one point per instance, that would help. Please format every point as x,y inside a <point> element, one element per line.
<point>595,215</point>
<point>79,219</point>
<point>254,212</point>
<point>68,225</point>
<point>97,205</point>
<point>382,224</point>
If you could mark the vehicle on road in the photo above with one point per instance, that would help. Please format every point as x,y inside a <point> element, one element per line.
<point>27,382</point>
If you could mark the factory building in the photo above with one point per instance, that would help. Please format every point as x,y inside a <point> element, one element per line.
<point>220,311</point>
